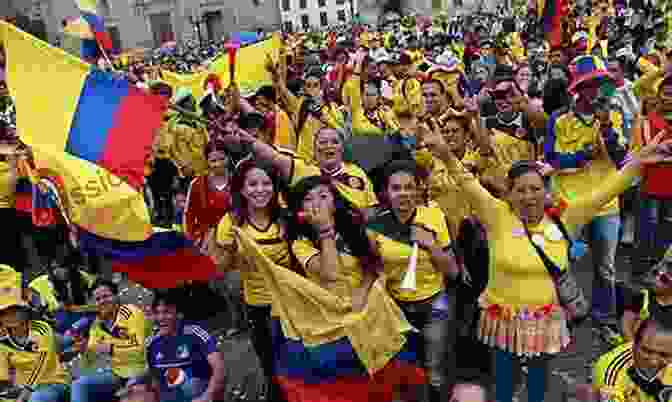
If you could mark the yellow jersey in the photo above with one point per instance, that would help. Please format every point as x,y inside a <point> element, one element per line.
<point>271,242</point>
<point>394,241</point>
<point>610,376</point>
<point>45,288</point>
<point>7,185</point>
<point>127,334</point>
<point>350,180</point>
<point>36,363</point>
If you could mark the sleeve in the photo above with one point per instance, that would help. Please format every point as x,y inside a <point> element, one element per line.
<point>614,142</point>
<point>360,124</point>
<point>304,250</point>
<point>301,169</point>
<point>224,231</point>
<point>136,336</point>
<point>414,96</point>
<point>46,345</point>
<point>206,343</point>
<point>646,85</point>
<point>560,160</point>
<point>190,220</point>
<point>587,206</point>
<point>4,365</point>
<point>442,234</point>
<point>487,207</point>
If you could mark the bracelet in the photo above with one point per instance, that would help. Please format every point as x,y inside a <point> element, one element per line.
<point>328,234</point>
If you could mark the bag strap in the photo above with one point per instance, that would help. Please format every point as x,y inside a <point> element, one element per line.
<point>551,267</point>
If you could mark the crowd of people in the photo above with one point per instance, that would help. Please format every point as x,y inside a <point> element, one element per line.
<point>427,195</point>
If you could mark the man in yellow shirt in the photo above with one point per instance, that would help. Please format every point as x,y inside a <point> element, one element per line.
<point>119,331</point>
<point>28,346</point>
<point>585,145</point>
<point>639,371</point>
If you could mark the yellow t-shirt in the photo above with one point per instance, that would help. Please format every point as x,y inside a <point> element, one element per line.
<point>396,254</point>
<point>507,149</point>
<point>610,375</point>
<point>351,273</point>
<point>272,244</point>
<point>45,288</point>
<point>572,136</point>
<point>35,364</point>
<point>7,185</point>
<point>351,181</point>
<point>127,337</point>
<point>518,277</point>
<point>361,124</point>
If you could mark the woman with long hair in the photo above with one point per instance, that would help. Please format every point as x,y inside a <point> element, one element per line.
<point>255,187</point>
<point>407,230</point>
<point>337,334</point>
<point>521,316</point>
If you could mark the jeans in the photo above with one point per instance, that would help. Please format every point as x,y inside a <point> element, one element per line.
<point>97,387</point>
<point>603,237</point>
<point>506,365</point>
<point>50,393</point>
<point>259,321</point>
<point>435,319</point>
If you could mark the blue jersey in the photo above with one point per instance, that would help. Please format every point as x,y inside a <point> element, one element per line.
<point>181,359</point>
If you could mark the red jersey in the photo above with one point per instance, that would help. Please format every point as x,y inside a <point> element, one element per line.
<point>204,207</point>
<point>656,178</point>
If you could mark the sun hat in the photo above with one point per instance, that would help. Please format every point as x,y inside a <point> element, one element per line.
<point>588,68</point>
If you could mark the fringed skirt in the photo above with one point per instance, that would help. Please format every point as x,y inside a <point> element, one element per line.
<point>525,332</point>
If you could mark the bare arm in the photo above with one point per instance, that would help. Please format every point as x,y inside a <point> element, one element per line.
<point>217,381</point>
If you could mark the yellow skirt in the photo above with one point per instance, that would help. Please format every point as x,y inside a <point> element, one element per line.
<point>524,332</point>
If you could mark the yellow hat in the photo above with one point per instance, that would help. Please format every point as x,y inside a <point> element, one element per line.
<point>10,288</point>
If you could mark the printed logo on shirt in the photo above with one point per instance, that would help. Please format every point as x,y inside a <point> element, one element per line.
<point>159,356</point>
<point>182,352</point>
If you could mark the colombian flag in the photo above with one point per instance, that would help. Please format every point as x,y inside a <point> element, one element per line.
<point>553,12</point>
<point>89,11</point>
<point>250,71</point>
<point>324,352</point>
<point>166,260</point>
<point>87,127</point>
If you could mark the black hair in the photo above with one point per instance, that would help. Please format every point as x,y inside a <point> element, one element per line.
<point>168,297</point>
<point>239,210</point>
<point>74,277</point>
<point>106,283</point>
<point>381,174</point>
<point>556,96</point>
<point>266,91</point>
<point>348,222</point>
<point>521,168</point>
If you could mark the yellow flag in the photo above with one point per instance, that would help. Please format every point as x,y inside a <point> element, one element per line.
<point>315,316</point>
<point>46,83</point>
<point>250,70</point>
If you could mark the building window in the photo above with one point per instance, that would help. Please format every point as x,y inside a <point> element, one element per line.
<point>323,19</point>
<point>287,26</point>
<point>305,21</point>
<point>303,4</point>
<point>285,5</point>
<point>458,3</point>
<point>321,3</point>
<point>340,2</point>
<point>341,15</point>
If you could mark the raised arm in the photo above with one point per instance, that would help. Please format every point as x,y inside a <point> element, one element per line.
<point>488,207</point>
<point>584,208</point>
